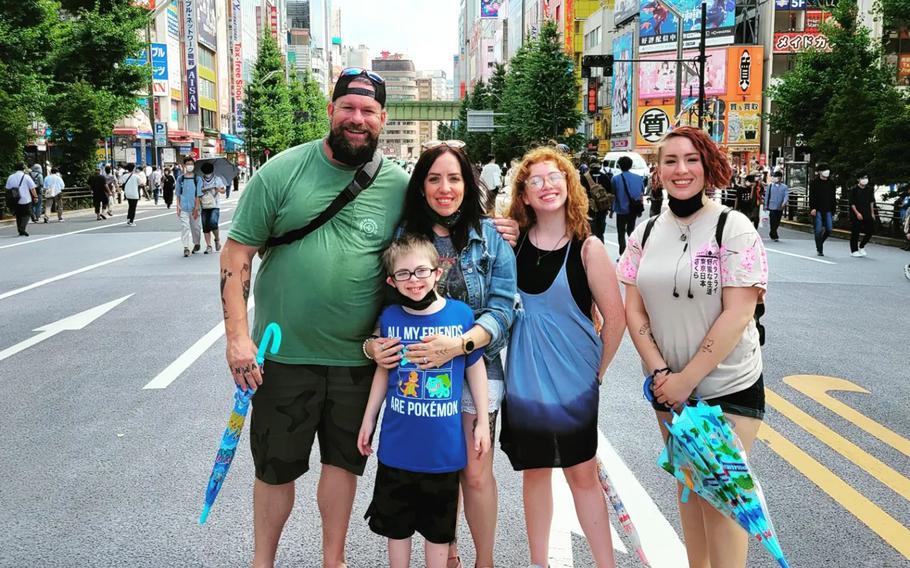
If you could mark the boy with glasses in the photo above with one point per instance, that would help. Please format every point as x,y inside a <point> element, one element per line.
<point>422,448</point>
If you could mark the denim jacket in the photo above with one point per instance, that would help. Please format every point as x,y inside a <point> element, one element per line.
<point>488,265</point>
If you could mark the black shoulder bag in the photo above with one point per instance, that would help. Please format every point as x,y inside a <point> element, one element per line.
<point>636,208</point>
<point>363,178</point>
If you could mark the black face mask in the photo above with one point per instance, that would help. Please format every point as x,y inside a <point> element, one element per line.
<point>447,222</point>
<point>412,304</point>
<point>683,208</point>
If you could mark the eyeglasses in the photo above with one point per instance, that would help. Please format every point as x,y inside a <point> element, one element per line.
<point>453,144</point>
<point>358,71</point>
<point>403,275</point>
<point>536,182</point>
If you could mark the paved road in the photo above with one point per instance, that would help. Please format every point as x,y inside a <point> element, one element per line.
<point>99,471</point>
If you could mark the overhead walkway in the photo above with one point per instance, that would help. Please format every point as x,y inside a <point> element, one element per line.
<point>423,110</point>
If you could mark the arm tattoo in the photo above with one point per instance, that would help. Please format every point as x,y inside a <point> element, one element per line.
<point>646,330</point>
<point>706,346</point>
<point>225,274</point>
<point>245,281</point>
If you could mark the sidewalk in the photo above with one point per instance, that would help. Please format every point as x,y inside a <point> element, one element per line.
<point>844,234</point>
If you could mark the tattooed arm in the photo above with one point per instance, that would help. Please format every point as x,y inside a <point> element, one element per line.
<point>236,274</point>
<point>639,324</point>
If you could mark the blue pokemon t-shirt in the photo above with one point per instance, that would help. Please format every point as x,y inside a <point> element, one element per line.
<point>421,425</point>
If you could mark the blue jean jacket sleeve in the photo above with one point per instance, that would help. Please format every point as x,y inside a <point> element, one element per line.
<point>498,309</point>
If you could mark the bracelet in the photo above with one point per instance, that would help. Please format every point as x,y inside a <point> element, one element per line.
<point>364,347</point>
<point>656,372</point>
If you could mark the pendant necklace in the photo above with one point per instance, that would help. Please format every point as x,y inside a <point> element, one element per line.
<point>544,255</point>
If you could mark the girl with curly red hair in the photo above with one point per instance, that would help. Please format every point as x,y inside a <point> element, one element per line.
<point>690,302</point>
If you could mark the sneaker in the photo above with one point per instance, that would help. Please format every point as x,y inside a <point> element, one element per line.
<point>217,245</point>
<point>196,248</point>
<point>819,253</point>
<point>856,254</point>
<point>208,249</point>
<point>59,220</point>
<point>907,271</point>
<point>186,252</point>
<point>862,252</point>
<point>45,219</point>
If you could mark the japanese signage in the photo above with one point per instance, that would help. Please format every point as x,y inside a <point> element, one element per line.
<point>569,26</point>
<point>621,120</point>
<point>624,10</point>
<point>273,21</point>
<point>745,72</point>
<point>592,95</point>
<point>789,4</point>
<point>189,39</point>
<point>489,8</point>
<point>659,26</point>
<point>814,19</point>
<point>743,123</point>
<point>206,24</point>
<point>653,123</point>
<point>903,69</point>
<point>797,42</point>
<point>657,77</point>
<point>173,21</point>
<point>159,70</point>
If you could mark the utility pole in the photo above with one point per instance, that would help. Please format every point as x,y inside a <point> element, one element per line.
<point>702,60</point>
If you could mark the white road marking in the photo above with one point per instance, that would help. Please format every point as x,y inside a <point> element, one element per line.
<point>74,322</point>
<point>800,256</point>
<point>95,228</point>
<point>658,538</point>
<point>188,357</point>
<point>40,283</point>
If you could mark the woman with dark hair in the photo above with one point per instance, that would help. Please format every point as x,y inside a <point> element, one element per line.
<point>690,301</point>
<point>444,204</point>
<point>556,356</point>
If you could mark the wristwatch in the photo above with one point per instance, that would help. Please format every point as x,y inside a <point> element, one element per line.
<point>467,344</point>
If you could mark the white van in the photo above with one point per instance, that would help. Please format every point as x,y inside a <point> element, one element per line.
<point>639,165</point>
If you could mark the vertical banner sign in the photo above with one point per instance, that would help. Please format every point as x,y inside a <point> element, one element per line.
<point>205,25</point>
<point>189,38</point>
<point>622,85</point>
<point>159,70</point>
<point>237,65</point>
<point>489,8</point>
<point>173,21</point>
<point>273,21</point>
<point>569,10</point>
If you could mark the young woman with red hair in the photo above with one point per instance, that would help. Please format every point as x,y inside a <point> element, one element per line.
<point>689,305</point>
<point>556,357</point>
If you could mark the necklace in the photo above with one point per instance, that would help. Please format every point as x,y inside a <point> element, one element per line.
<point>549,251</point>
<point>684,230</point>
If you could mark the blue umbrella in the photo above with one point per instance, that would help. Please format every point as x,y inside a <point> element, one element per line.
<point>271,341</point>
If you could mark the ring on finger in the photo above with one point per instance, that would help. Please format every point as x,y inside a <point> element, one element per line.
<point>424,360</point>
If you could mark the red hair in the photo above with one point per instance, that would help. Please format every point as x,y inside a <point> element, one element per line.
<point>718,172</point>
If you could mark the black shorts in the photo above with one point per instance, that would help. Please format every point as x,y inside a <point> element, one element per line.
<point>407,501</point>
<point>749,402</point>
<point>298,402</point>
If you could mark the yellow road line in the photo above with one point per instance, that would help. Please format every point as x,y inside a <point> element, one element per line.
<point>865,461</point>
<point>883,524</point>
<point>816,387</point>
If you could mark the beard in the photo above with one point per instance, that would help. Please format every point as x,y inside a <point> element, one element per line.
<point>347,153</point>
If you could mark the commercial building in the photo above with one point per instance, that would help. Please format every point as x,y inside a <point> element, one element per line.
<point>398,138</point>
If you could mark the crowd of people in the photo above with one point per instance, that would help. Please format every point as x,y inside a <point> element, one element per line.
<point>407,300</point>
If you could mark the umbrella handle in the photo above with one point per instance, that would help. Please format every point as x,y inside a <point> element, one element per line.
<point>271,341</point>
<point>646,388</point>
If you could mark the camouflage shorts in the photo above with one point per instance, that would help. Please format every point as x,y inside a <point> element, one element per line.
<point>295,404</point>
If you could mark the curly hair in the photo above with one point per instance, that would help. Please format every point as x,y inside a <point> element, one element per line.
<point>576,199</point>
<point>718,172</point>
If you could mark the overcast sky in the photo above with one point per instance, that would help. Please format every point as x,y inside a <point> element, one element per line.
<point>425,30</point>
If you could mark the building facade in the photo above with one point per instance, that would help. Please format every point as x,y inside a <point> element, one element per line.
<point>398,138</point>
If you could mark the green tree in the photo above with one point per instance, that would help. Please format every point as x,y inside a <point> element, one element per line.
<point>268,115</point>
<point>540,97</point>
<point>310,120</point>
<point>479,144</point>
<point>844,104</point>
<point>25,41</point>
<point>92,87</point>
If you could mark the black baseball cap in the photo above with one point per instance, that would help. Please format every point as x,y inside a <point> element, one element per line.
<point>343,85</point>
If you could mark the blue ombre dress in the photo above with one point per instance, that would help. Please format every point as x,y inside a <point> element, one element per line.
<point>551,401</point>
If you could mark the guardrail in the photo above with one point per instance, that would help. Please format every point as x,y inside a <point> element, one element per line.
<point>73,198</point>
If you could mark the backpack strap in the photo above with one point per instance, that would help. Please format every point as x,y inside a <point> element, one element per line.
<point>647,233</point>
<point>721,221</point>
<point>363,178</point>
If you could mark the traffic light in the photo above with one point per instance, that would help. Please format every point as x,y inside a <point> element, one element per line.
<point>604,62</point>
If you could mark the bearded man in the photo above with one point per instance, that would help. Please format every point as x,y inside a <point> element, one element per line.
<point>325,291</point>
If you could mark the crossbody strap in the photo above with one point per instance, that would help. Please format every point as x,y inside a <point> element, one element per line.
<point>363,178</point>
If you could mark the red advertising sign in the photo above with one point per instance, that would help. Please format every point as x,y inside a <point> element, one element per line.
<point>592,96</point>
<point>238,72</point>
<point>273,21</point>
<point>814,19</point>
<point>797,42</point>
<point>903,69</point>
<point>195,153</point>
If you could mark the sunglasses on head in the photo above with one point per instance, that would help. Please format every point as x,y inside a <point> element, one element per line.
<point>358,71</point>
<point>453,144</point>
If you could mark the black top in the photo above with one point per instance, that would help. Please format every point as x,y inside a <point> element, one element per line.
<point>98,184</point>
<point>863,198</point>
<point>822,196</point>
<point>536,279</point>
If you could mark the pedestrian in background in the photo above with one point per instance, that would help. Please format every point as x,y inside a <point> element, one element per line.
<point>627,203</point>
<point>556,358</point>
<point>491,175</point>
<point>155,183</point>
<point>113,188</point>
<point>38,206</point>
<point>142,178</point>
<point>168,183</point>
<point>690,302</point>
<point>656,193</point>
<point>776,200</point>
<point>53,194</point>
<point>862,215</point>
<point>213,187</point>
<point>100,187</point>
<point>130,183</point>
<point>906,231</point>
<point>822,205</point>
<point>189,192</point>
<point>21,196</point>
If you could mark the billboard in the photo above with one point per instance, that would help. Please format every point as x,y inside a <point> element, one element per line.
<point>743,123</point>
<point>621,106</point>
<point>797,42</point>
<point>490,8</point>
<point>189,39</point>
<point>658,25</point>
<point>624,10</point>
<point>657,77</point>
<point>653,122</point>
<point>206,24</point>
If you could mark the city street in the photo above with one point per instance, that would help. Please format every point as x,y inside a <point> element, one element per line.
<point>112,418</point>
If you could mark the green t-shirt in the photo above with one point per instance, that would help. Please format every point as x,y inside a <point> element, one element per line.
<point>325,291</point>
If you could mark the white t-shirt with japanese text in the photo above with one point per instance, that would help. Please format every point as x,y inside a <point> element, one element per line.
<point>680,324</point>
